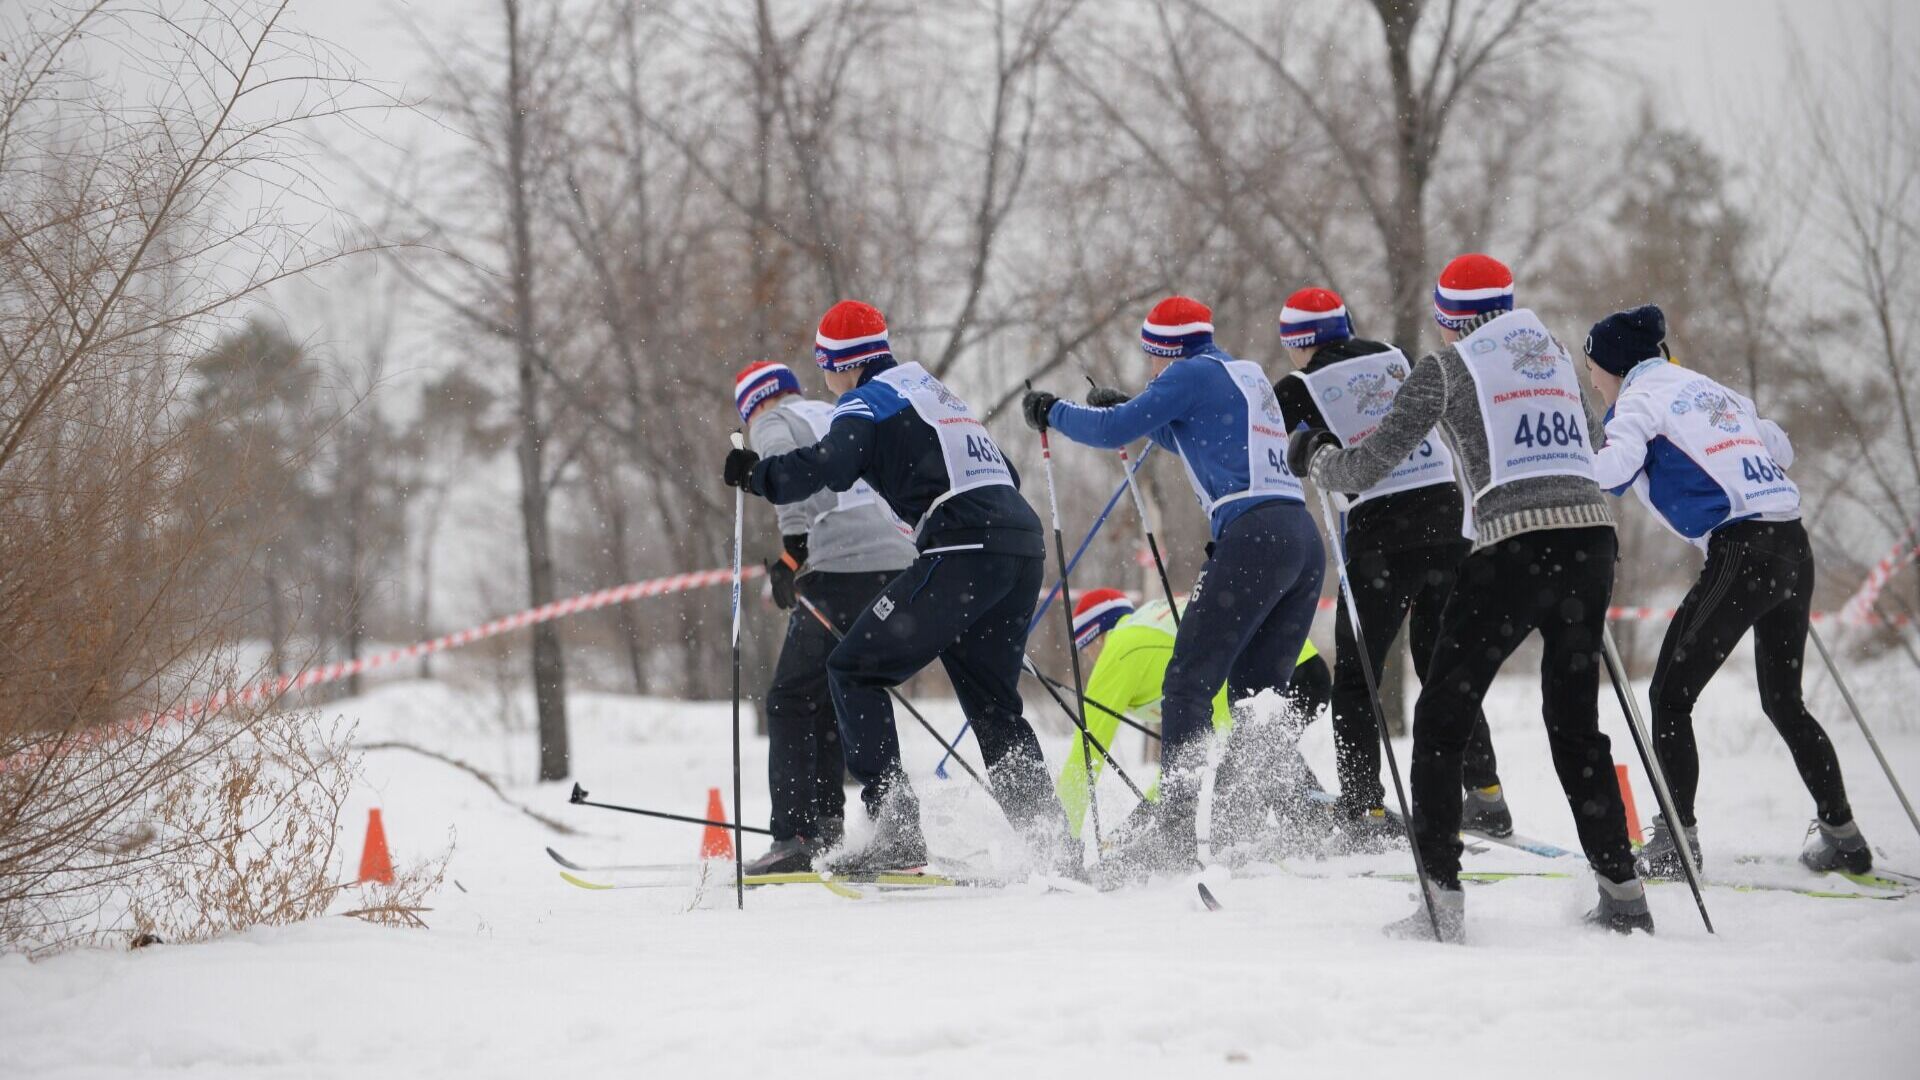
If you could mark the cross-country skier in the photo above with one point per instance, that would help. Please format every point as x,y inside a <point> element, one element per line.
<point>838,551</point>
<point>1715,471</point>
<point>1129,650</point>
<point>1254,599</point>
<point>1508,401</point>
<point>1403,541</point>
<point>965,600</point>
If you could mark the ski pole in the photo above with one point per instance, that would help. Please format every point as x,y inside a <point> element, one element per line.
<point>1073,653</point>
<point>739,517</point>
<point>1104,755</point>
<point>1146,525</point>
<point>1860,719</point>
<point>1046,601</point>
<point>1622,689</point>
<point>952,751</point>
<point>579,798</point>
<point>1379,714</point>
<point>1153,544</point>
<point>1117,715</point>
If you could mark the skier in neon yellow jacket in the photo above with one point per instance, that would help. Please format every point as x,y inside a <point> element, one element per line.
<point>1130,649</point>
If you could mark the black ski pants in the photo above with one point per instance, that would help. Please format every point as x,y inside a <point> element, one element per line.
<point>1388,586</point>
<point>969,610</point>
<point>806,773</point>
<point>1758,575</point>
<point>1559,582</point>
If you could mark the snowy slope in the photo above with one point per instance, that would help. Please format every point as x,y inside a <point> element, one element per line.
<point>523,975</point>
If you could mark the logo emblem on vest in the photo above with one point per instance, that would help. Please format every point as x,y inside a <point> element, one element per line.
<point>883,608</point>
<point>1269,404</point>
<point>940,392</point>
<point>1372,395</point>
<point>1715,405</point>
<point>1533,353</point>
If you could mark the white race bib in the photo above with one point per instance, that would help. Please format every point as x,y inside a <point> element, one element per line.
<point>1267,472</point>
<point>1353,395</point>
<point>972,458</point>
<point>1713,427</point>
<point>819,417</point>
<point>1530,399</point>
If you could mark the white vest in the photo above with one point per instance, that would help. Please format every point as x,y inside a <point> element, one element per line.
<point>1353,395</point>
<point>819,417</point>
<point>1530,400</point>
<point>972,458</point>
<point>1267,472</point>
<point>1716,429</point>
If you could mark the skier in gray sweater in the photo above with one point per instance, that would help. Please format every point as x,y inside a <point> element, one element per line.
<point>838,550</point>
<point>1508,401</point>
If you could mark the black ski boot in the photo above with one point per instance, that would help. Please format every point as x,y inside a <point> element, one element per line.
<point>1622,907</point>
<point>1165,843</point>
<point>1660,858</point>
<point>1373,830</point>
<point>897,844</point>
<point>1484,810</point>
<point>793,855</point>
<point>1836,847</point>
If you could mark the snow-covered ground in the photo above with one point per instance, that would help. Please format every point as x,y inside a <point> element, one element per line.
<point>523,975</point>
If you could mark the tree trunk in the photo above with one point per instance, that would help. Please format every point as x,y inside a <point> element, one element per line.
<point>549,663</point>
<point>1405,231</point>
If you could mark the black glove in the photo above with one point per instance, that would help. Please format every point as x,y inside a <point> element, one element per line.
<point>1106,397</point>
<point>1302,445</point>
<point>782,571</point>
<point>1036,405</point>
<point>739,469</point>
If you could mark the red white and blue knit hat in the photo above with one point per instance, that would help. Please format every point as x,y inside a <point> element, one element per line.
<point>1314,317</point>
<point>1175,325</point>
<point>851,334</point>
<point>1096,613</point>
<point>1469,287</point>
<point>758,382</point>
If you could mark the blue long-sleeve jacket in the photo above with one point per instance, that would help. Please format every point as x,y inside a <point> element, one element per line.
<point>1193,409</point>
<point>877,436</point>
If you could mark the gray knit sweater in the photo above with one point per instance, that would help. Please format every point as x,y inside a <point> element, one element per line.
<point>1440,391</point>
<point>862,539</point>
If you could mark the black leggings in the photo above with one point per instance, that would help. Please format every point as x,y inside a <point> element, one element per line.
<point>1759,575</point>
<point>1387,585</point>
<point>1559,582</point>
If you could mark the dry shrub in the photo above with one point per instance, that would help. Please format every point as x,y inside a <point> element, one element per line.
<point>134,224</point>
<point>402,903</point>
<point>250,835</point>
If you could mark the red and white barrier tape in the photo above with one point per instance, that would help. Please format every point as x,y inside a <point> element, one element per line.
<point>341,669</point>
<point>1859,607</point>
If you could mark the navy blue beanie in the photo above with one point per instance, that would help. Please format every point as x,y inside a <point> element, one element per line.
<point>1621,340</point>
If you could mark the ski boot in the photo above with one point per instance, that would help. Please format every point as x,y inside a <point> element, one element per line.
<point>1622,907</point>
<point>793,855</point>
<point>897,844</point>
<point>1372,831</point>
<point>1836,847</point>
<point>1660,858</point>
<point>1165,844</point>
<point>1449,910</point>
<point>1484,810</point>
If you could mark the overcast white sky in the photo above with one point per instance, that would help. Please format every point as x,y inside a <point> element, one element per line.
<point>1718,56</point>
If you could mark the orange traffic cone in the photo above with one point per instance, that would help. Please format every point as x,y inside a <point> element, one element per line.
<point>716,842</point>
<point>375,863</point>
<point>1626,800</point>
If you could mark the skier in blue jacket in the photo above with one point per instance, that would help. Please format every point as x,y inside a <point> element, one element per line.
<point>965,601</point>
<point>1253,601</point>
